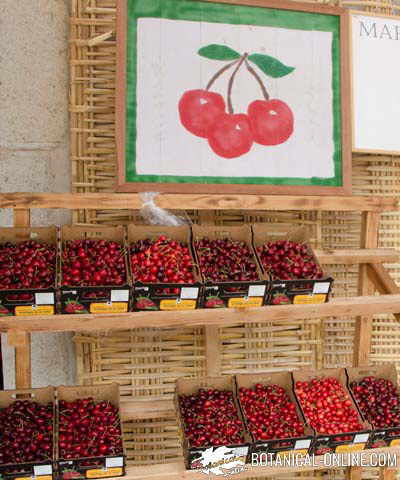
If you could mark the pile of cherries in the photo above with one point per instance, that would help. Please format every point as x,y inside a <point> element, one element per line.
<point>327,406</point>
<point>287,260</point>
<point>28,264</point>
<point>88,429</point>
<point>162,261</point>
<point>93,262</point>
<point>270,413</point>
<point>225,260</point>
<point>26,432</point>
<point>211,418</point>
<point>378,400</point>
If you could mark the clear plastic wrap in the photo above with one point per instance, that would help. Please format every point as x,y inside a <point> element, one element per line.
<point>154,215</point>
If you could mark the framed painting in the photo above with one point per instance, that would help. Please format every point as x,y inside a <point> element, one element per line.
<point>233,96</point>
<point>375,74</point>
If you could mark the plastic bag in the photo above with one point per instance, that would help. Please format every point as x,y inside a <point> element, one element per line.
<point>155,215</point>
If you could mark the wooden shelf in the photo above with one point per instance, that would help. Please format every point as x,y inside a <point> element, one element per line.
<point>351,306</point>
<point>133,201</point>
<point>177,470</point>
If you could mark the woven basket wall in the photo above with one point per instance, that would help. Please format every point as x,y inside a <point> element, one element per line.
<point>146,362</point>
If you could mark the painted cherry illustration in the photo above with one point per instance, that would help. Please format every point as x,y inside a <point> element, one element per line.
<point>268,122</point>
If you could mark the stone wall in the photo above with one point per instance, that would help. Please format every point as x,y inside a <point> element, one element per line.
<point>34,154</point>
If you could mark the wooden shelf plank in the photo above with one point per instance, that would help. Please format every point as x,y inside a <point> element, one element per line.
<point>357,256</point>
<point>177,470</point>
<point>132,201</point>
<point>145,409</point>
<point>351,306</point>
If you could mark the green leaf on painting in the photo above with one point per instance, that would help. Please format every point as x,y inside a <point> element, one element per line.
<point>270,65</point>
<point>218,52</point>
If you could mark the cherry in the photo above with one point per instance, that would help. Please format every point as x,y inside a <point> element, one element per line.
<point>28,264</point>
<point>210,418</point>
<point>231,135</point>
<point>286,260</point>
<point>225,260</point>
<point>378,401</point>
<point>163,260</point>
<point>198,110</point>
<point>88,428</point>
<point>93,262</point>
<point>26,432</point>
<point>271,121</point>
<point>270,413</point>
<point>327,406</point>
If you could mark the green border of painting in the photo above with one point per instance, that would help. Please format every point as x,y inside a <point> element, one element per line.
<point>196,10</point>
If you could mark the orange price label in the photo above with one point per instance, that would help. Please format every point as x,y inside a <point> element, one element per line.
<point>171,304</point>
<point>114,307</point>
<point>27,310</point>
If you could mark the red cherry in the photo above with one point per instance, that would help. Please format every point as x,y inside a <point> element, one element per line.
<point>231,135</point>
<point>271,121</point>
<point>198,110</point>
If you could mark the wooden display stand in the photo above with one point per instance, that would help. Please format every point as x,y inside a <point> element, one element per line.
<point>372,277</point>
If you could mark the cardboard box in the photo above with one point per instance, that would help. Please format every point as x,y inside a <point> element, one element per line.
<point>231,294</point>
<point>34,470</point>
<point>94,467</point>
<point>193,455</point>
<point>342,442</point>
<point>380,437</point>
<point>29,301</point>
<point>298,291</point>
<point>164,296</point>
<point>300,445</point>
<point>95,299</point>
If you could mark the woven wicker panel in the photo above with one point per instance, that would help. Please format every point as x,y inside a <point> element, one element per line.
<point>146,362</point>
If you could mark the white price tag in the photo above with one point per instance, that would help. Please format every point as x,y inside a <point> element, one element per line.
<point>119,295</point>
<point>256,290</point>
<point>114,462</point>
<point>44,298</point>
<point>301,444</point>
<point>189,293</point>
<point>321,287</point>
<point>39,470</point>
<point>361,438</point>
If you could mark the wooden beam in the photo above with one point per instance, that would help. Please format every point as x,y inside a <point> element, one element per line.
<point>22,339</point>
<point>382,279</point>
<point>353,473</point>
<point>337,307</point>
<point>386,474</point>
<point>146,409</point>
<point>357,256</point>
<point>132,201</point>
<point>213,351</point>
<point>363,330</point>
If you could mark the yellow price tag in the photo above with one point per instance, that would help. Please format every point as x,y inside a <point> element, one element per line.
<point>395,442</point>
<point>100,473</point>
<point>172,304</point>
<point>308,299</point>
<point>26,310</point>
<point>245,302</point>
<point>115,307</point>
<point>354,447</point>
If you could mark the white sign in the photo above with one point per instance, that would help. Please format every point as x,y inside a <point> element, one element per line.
<point>376,80</point>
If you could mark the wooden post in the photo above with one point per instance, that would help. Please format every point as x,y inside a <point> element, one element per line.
<point>363,331</point>
<point>386,474</point>
<point>22,340</point>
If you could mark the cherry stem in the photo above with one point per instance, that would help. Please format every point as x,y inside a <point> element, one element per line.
<point>256,76</point>
<point>232,79</point>
<point>219,73</point>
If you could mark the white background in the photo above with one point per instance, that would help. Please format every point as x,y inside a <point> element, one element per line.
<point>168,65</point>
<point>376,84</point>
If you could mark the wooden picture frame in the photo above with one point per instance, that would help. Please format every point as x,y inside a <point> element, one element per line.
<point>364,141</point>
<point>341,184</point>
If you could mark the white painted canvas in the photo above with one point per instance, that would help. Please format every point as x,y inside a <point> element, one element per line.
<point>376,83</point>
<point>168,65</point>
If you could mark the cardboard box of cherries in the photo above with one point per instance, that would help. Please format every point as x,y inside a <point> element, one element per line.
<point>231,274</point>
<point>376,392</point>
<point>94,270</point>
<point>291,266</point>
<point>28,271</point>
<point>164,273</point>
